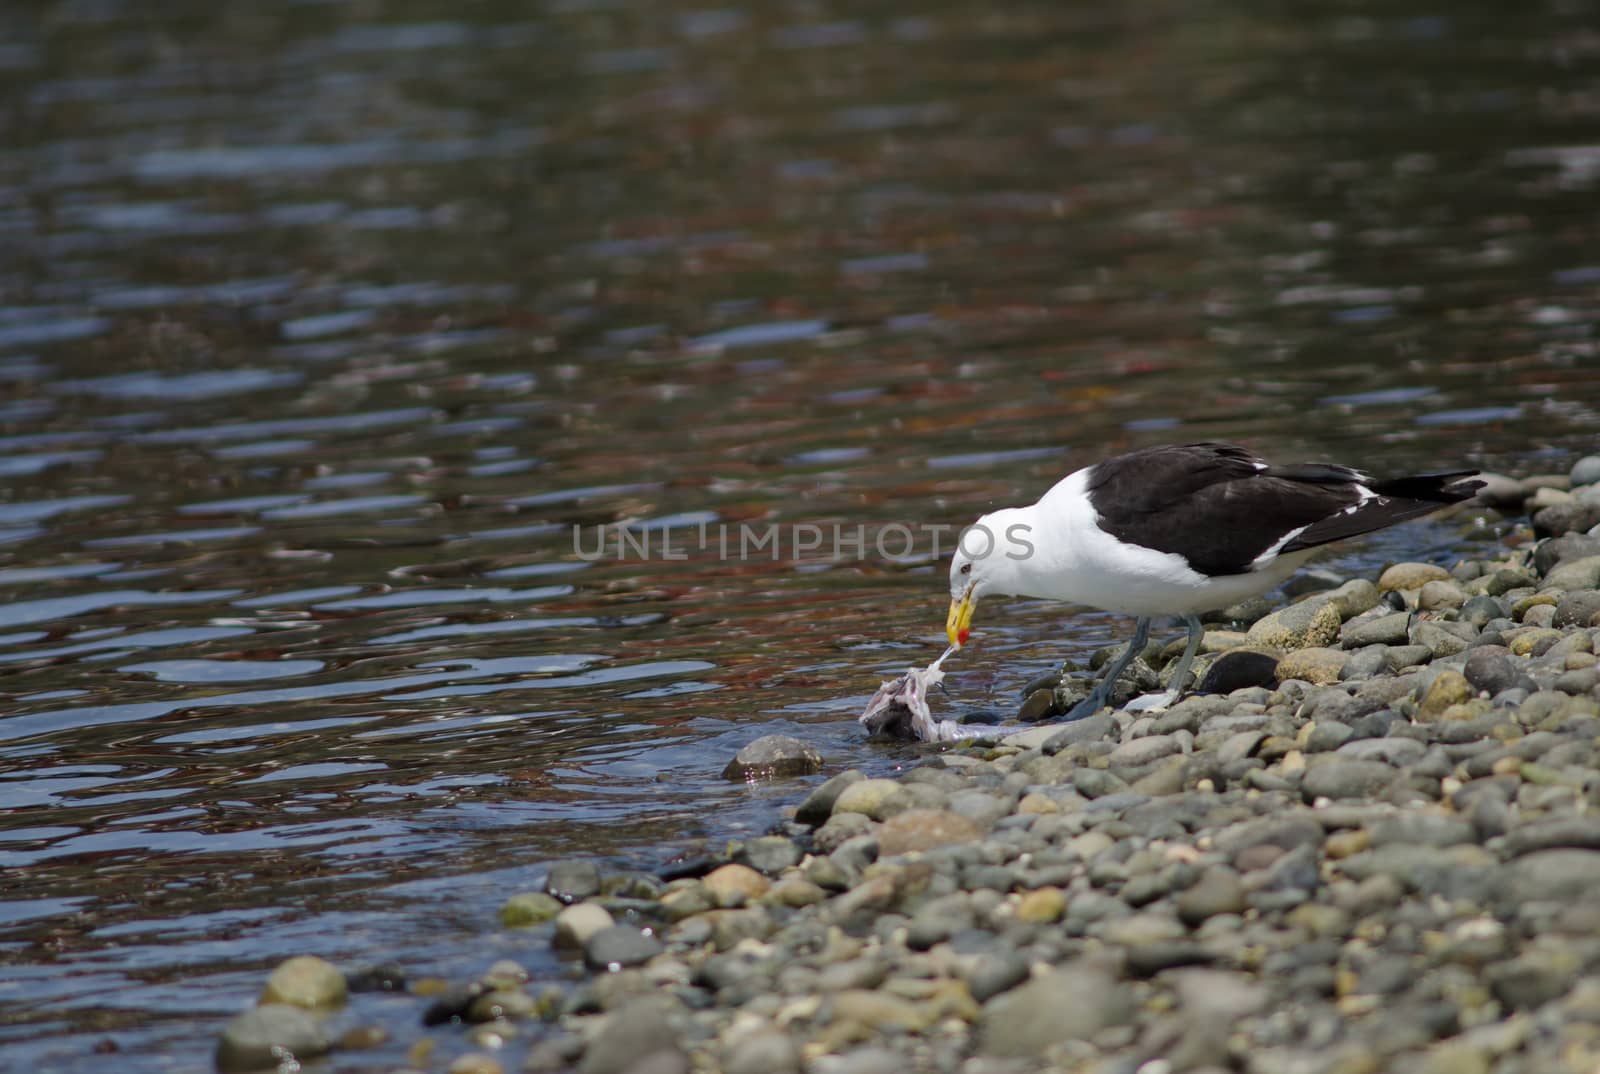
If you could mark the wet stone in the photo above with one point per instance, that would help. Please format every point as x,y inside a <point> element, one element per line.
<point>769,854</point>
<point>1039,705</point>
<point>529,908</point>
<point>267,1036</point>
<point>773,757</point>
<point>383,977</point>
<point>620,945</point>
<point>304,981</point>
<point>873,798</point>
<point>818,805</point>
<point>573,881</point>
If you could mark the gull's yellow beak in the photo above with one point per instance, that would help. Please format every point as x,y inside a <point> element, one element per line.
<point>958,622</point>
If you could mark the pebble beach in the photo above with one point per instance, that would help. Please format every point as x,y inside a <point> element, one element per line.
<point>1372,846</point>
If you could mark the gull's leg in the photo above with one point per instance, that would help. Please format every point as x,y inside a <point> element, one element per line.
<point>1175,687</point>
<point>1101,694</point>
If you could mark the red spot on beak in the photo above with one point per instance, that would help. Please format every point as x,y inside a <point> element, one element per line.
<point>963,636</point>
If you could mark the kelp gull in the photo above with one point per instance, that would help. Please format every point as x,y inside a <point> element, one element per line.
<point>1176,530</point>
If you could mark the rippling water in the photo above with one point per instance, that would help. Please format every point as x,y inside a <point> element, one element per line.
<point>331,337</point>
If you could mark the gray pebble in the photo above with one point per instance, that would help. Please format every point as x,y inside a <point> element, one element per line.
<point>996,972</point>
<point>1091,729</point>
<point>573,881</point>
<point>1218,891</point>
<point>1586,471</point>
<point>620,945</point>
<point>1425,829</point>
<point>1391,750</point>
<point>818,805</point>
<point>1067,1004</point>
<point>764,1052</point>
<point>1346,778</point>
<point>1328,735</point>
<point>1552,876</point>
<point>770,854</point>
<point>263,1037</point>
<point>1532,979</point>
<point>1572,832</point>
<point>1385,628</point>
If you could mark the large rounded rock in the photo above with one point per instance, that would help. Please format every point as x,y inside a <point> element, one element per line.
<point>1557,876</point>
<point>735,885</point>
<point>1311,622</point>
<point>765,1051</point>
<point>576,924</point>
<point>1072,1003</point>
<point>266,1037</point>
<point>1586,471</point>
<point>1218,891</point>
<point>572,881</point>
<point>1449,688</point>
<point>528,908</point>
<point>1238,669</point>
<point>1578,608</point>
<point>924,829</point>
<point>818,805</point>
<point>1314,664</point>
<point>1568,517</point>
<point>1346,779</point>
<point>875,798</point>
<point>1391,629</point>
<point>617,946</point>
<point>1411,576</point>
<point>773,757</point>
<point>304,981</point>
<point>1491,669</point>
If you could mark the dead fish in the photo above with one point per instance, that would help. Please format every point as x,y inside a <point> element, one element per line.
<point>900,708</point>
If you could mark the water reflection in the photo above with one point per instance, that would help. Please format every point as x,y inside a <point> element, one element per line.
<point>312,359</point>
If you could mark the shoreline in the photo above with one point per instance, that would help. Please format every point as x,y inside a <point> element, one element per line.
<point>1387,858</point>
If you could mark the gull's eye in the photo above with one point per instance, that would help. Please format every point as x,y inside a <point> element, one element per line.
<point>966,568</point>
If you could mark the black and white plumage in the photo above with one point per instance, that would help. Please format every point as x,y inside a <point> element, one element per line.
<point>1177,530</point>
